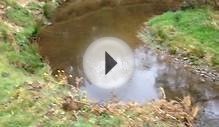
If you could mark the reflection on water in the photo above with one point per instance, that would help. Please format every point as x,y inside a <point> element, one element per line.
<point>210,114</point>
<point>140,88</point>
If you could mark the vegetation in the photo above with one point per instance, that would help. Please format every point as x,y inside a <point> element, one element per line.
<point>192,32</point>
<point>31,97</point>
<point>27,89</point>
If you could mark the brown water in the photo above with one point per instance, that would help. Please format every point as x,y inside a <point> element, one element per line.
<point>64,43</point>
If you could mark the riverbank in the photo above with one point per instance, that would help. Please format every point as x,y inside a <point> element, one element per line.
<point>31,97</point>
<point>190,37</point>
<point>28,90</point>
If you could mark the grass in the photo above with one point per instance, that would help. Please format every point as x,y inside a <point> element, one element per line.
<point>20,67</point>
<point>19,16</point>
<point>193,31</point>
<point>15,99</point>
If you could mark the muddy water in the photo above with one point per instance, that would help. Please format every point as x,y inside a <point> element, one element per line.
<point>64,42</point>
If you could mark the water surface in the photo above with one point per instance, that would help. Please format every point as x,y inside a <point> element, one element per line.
<point>64,43</point>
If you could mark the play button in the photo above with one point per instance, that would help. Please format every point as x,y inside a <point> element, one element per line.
<point>108,63</point>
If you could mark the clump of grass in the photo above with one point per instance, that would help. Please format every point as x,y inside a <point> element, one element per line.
<point>26,57</point>
<point>19,16</point>
<point>193,31</point>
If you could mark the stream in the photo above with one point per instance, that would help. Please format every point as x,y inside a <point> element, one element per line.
<point>64,42</point>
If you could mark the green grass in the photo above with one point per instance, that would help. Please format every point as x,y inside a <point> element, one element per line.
<point>20,65</point>
<point>27,57</point>
<point>20,16</point>
<point>194,31</point>
<point>18,106</point>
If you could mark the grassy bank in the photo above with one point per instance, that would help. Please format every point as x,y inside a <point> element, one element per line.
<point>31,97</point>
<point>193,32</point>
<point>27,89</point>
